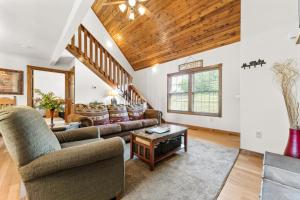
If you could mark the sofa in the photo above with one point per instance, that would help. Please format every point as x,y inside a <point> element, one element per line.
<point>115,120</point>
<point>281,178</point>
<point>70,165</point>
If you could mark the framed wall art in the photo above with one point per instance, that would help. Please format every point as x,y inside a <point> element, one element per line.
<point>11,81</point>
<point>191,65</point>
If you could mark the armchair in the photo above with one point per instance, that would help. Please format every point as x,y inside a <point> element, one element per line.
<point>69,165</point>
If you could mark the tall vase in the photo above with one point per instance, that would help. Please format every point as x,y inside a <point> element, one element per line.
<point>293,147</point>
<point>52,116</point>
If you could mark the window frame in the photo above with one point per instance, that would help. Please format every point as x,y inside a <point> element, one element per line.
<point>190,73</point>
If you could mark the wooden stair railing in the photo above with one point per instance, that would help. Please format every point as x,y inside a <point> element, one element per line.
<point>85,47</point>
<point>135,97</point>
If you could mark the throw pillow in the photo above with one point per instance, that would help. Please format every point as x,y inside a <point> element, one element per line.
<point>135,112</point>
<point>117,113</point>
<point>98,114</point>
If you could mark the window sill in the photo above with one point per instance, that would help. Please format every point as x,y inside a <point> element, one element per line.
<point>195,113</point>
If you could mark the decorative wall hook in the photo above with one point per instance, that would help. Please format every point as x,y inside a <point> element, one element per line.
<point>254,64</point>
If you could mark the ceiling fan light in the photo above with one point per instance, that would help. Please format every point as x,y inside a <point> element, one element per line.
<point>131,16</point>
<point>142,10</point>
<point>132,2</point>
<point>122,7</point>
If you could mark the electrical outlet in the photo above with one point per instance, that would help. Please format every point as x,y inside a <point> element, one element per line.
<point>258,134</point>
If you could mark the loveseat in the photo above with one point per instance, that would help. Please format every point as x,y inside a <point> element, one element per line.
<point>115,120</point>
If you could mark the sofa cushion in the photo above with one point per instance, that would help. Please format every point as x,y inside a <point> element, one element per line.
<point>276,191</point>
<point>117,113</point>
<point>109,129</point>
<point>131,125</point>
<point>97,113</point>
<point>80,142</point>
<point>125,135</point>
<point>282,176</point>
<point>135,112</point>
<point>149,122</point>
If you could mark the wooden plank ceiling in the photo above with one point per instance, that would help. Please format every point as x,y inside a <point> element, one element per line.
<point>175,28</point>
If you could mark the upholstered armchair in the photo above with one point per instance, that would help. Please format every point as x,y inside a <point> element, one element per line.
<point>67,166</point>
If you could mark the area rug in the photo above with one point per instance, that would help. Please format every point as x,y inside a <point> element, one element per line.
<point>198,174</point>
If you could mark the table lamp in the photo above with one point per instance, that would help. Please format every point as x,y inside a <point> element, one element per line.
<point>113,94</point>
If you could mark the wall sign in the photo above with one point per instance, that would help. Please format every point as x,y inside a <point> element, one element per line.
<point>254,64</point>
<point>11,81</point>
<point>191,65</point>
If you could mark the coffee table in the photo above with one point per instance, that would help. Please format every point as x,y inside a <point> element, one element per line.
<point>144,145</point>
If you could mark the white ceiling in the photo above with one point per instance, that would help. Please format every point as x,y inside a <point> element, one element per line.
<point>33,27</point>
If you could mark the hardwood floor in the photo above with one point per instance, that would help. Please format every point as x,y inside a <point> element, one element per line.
<point>243,182</point>
<point>9,177</point>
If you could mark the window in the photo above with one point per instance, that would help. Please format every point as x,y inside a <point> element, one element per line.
<point>179,92</point>
<point>196,92</point>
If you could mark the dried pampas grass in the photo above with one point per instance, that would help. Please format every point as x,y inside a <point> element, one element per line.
<point>287,74</point>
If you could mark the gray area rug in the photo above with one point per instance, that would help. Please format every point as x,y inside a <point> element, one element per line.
<point>198,174</point>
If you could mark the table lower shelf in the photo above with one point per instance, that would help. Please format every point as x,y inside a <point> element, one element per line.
<point>163,156</point>
<point>147,153</point>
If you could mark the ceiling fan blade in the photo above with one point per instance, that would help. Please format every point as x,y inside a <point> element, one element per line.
<point>128,13</point>
<point>147,11</point>
<point>113,3</point>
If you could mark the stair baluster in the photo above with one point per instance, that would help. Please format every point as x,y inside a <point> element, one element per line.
<point>91,53</point>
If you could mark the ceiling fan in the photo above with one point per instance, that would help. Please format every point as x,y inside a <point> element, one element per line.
<point>132,6</point>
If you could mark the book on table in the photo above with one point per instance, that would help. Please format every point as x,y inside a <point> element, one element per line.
<point>159,130</point>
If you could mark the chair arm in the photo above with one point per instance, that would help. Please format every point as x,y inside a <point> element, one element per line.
<point>78,134</point>
<point>282,162</point>
<point>151,113</point>
<point>84,121</point>
<point>72,157</point>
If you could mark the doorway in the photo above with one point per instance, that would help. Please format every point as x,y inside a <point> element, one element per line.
<point>60,82</point>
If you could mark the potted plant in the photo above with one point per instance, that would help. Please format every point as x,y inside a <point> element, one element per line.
<point>287,74</point>
<point>48,101</point>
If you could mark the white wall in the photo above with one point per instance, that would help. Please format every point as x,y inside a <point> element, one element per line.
<point>37,28</point>
<point>89,87</point>
<point>153,85</point>
<point>49,82</point>
<point>10,61</point>
<point>93,24</point>
<point>265,29</point>
<point>85,79</point>
<point>78,12</point>
<point>17,62</point>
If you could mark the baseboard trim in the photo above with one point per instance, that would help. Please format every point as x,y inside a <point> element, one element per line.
<point>253,153</point>
<point>205,128</point>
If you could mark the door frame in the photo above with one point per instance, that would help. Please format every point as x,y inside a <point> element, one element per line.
<point>69,97</point>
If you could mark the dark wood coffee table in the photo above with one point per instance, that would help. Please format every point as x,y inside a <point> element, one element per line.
<point>143,145</point>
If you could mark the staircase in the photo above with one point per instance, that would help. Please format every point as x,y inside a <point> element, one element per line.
<point>85,47</point>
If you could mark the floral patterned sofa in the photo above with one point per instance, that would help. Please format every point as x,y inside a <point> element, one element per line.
<point>115,120</point>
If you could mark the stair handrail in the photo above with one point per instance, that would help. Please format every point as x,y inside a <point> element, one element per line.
<point>91,53</point>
